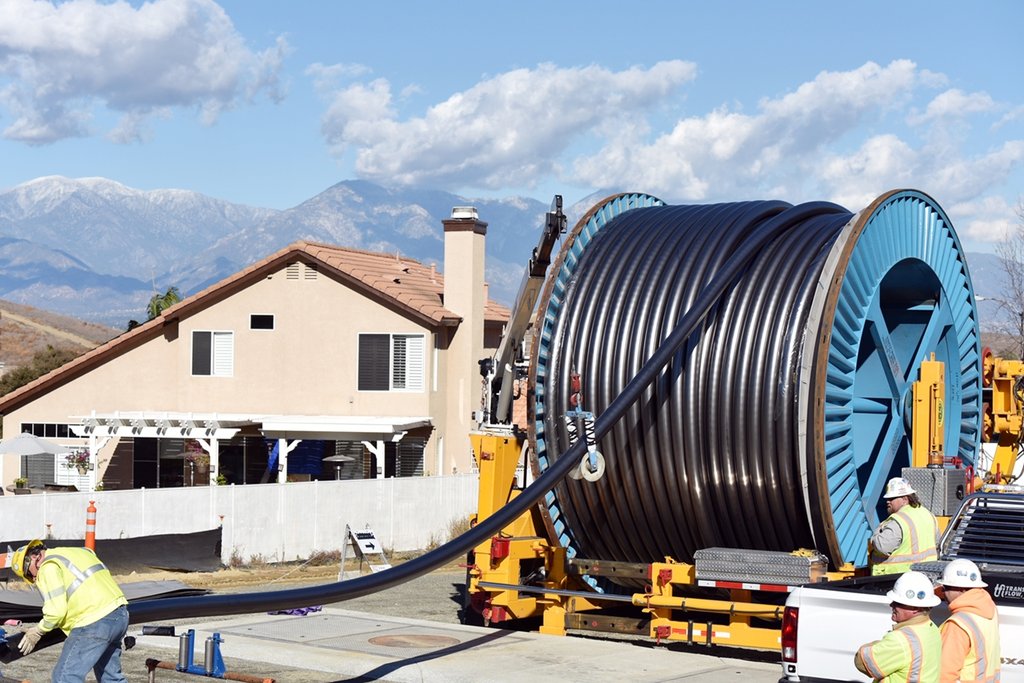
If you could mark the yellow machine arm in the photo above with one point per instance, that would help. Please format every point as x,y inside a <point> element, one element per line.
<point>1003,381</point>
<point>928,426</point>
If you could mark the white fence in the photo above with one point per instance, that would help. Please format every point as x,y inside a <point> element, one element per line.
<point>277,522</point>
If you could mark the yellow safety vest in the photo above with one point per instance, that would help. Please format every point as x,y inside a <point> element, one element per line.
<point>77,589</point>
<point>919,529</point>
<point>982,663</point>
<point>910,653</point>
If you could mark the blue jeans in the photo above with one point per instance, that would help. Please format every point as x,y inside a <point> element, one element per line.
<point>97,647</point>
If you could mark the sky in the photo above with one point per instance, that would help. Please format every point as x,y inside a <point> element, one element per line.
<point>269,103</point>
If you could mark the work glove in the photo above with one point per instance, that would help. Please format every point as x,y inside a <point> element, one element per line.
<point>29,640</point>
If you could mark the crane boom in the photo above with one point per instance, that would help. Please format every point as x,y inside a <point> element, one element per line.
<point>499,371</point>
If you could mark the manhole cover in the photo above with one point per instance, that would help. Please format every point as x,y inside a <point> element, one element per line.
<point>414,640</point>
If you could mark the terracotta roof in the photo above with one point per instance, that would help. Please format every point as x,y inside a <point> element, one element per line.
<point>403,283</point>
<point>405,280</point>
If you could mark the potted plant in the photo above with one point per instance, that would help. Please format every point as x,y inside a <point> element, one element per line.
<point>78,460</point>
<point>20,483</point>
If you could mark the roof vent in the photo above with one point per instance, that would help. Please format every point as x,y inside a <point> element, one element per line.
<point>464,212</point>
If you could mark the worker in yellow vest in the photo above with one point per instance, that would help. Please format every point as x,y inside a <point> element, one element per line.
<point>912,651</point>
<point>910,533</point>
<point>970,637</point>
<point>81,598</point>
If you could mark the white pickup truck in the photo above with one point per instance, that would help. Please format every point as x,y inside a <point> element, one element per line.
<point>825,624</point>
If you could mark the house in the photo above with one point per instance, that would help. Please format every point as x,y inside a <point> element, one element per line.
<point>317,362</point>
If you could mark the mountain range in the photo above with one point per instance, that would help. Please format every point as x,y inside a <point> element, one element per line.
<point>97,250</point>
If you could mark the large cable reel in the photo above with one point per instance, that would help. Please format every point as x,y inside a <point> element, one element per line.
<point>777,424</point>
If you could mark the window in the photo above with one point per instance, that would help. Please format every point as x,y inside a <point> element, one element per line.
<point>261,322</point>
<point>391,362</point>
<point>213,353</point>
<point>47,429</point>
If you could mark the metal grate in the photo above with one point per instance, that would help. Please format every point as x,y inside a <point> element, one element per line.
<point>988,529</point>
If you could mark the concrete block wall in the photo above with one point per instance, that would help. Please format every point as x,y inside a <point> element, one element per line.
<point>274,522</point>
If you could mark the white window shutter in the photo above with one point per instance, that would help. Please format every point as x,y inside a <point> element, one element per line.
<point>414,362</point>
<point>223,354</point>
<point>407,362</point>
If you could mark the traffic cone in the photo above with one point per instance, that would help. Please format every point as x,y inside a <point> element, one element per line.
<point>90,526</point>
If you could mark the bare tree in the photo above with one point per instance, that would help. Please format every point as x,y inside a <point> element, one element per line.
<point>1011,257</point>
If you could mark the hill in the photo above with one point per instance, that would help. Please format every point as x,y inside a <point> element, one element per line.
<point>25,330</point>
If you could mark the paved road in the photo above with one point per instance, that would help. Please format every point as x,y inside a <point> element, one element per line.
<point>435,597</point>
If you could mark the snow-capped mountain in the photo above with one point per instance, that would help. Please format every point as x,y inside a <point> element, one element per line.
<point>98,250</point>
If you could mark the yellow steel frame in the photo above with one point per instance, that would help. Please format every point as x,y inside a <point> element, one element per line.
<point>500,562</point>
<point>1004,416</point>
<point>497,456</point>
<point>927,441</point>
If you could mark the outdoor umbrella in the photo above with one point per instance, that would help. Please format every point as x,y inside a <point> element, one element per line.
<point>28,444</point>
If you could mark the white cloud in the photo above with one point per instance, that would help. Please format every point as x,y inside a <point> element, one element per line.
<point>985,219</point>
<point>1015,114</point>
<point>60,62</point>
<point>883,161</point>
<point>726,154</point>
<point>955,104</point>
<point>508,130</point>
<point>844,136</point>
<point>326,77</point>
<point>839,137</point>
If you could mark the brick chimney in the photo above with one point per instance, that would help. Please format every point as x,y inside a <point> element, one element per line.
<point>464,295</point>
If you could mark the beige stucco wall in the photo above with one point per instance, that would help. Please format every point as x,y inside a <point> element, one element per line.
<point>306,365</point>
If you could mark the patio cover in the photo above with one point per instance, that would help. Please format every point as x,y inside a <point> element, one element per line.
<point>226,425</point>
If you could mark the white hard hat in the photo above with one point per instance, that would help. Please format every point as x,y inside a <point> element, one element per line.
<point>962,574</point>
<point>913,589</point>
<point>897,486</point>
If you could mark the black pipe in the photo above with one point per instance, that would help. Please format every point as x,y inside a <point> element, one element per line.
<point>709,455</point>
<point>248,603</point>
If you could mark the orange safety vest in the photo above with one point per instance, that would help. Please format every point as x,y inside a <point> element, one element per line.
<point>919,529</point>
<point>982,663</point>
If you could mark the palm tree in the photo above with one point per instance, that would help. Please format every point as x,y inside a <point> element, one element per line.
<point>158,302</point>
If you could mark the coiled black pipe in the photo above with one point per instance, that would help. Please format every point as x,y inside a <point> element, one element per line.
<point>772,221</point>
<point>708,456</point>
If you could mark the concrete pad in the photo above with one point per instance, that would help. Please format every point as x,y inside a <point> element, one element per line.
<point>364,647</point>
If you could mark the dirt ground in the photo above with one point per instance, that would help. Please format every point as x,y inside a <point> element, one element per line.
<point>236,578</point>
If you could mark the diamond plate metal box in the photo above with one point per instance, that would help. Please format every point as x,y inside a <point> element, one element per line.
<point>940,490</point>
<point>759,566</point>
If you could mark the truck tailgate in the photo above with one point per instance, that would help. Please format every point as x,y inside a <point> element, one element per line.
<point>831,626</point>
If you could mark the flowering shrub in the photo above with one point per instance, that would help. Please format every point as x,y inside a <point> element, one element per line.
<point>195,454</point>
<point>78,458</point>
